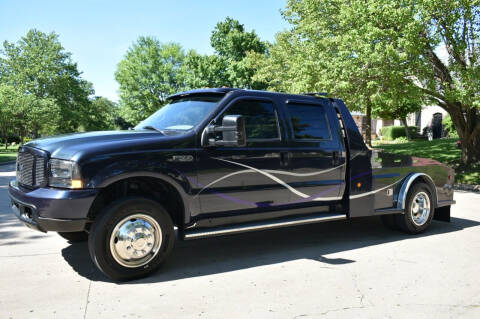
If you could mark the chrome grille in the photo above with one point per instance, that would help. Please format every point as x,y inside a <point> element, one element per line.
<point>39,171</point>
<point>30,169</point>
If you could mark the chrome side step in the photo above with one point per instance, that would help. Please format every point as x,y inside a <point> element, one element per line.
<point>262,225</point>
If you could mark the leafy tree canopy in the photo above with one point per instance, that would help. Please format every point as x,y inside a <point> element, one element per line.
<point>381,56</point>
<point>149,73</point>
<point>51,95</point>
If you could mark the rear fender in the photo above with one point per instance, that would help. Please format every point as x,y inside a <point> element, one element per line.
<point>408,182</point>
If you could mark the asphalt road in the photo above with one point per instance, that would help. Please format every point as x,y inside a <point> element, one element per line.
<point>341,269</point>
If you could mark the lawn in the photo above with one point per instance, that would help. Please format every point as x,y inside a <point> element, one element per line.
<point>442,150</point>
<point>10,154</point>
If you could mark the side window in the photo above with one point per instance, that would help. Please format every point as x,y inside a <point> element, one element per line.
<point>260,118</point>
<point>309,121</point>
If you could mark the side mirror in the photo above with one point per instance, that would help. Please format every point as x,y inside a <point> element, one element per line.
<point>232,129</point>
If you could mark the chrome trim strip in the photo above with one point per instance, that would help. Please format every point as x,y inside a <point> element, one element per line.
<point>372,192</point>
<point>261,226</point>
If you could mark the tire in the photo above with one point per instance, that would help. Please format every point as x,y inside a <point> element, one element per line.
<point>414,221</point>
<point>131,254</point>
<point>389,221</point>
<point>75,237</point>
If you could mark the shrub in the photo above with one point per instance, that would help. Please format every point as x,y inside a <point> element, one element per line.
<point>400,140</point>
<point>390,133</point>
<point>449,128</point>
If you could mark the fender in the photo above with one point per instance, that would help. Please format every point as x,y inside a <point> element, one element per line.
<point>180,184</point>
<point>407,183</point>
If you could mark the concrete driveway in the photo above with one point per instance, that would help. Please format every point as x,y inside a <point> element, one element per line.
<point>342,269</point>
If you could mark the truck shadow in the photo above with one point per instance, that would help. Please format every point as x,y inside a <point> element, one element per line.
<point>224,254</point>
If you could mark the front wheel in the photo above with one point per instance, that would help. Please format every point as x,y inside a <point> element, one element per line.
<point>418,210</point>
<point>131,238</point>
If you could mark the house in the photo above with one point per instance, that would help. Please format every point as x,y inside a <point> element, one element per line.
<point>428,116</point>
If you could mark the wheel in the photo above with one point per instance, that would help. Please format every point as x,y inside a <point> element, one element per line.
<point>131,238</point>
<point>389,221</point>
<point>75,237</point>
<point>418,210</point>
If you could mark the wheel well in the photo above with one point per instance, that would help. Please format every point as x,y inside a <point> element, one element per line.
<point>150,187</point>
<point>425,179</point>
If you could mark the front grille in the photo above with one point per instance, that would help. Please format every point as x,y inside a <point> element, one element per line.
<point>30,169</point>
<point>39,170</point>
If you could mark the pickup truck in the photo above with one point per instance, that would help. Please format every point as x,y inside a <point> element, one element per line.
<point>214,162</point>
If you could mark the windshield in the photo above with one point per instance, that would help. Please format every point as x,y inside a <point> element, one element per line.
<point>180,115</point>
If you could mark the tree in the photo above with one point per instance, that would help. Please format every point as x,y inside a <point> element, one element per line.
<point>341,47</point>
<point>52,95</point>
<point>231,41</point>
<point>7,109</point>
<point>102,115</point>
<point>364,49</point>
<point>452,84</point>
<point>232,44</point>
<point>148,74</point>
<point>205,70</point>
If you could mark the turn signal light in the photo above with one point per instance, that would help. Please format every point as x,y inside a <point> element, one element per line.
<point>77,183</point>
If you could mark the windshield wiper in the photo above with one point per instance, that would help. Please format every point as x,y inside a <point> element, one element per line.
<point>149,127</point>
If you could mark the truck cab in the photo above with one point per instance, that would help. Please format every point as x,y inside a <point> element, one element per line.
<point>214,162</point>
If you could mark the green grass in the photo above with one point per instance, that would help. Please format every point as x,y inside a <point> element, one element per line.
<point>442,150</point>
<point>10,154</point>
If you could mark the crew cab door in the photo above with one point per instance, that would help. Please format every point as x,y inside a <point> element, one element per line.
<point>237,181</point>
<point>317,157</point>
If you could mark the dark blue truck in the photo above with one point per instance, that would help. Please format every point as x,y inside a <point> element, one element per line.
<point>213,162</point>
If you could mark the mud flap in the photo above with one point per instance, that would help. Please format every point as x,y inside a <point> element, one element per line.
<point>442,214</point>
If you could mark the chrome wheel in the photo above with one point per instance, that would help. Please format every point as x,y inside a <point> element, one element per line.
<point>420,209</point>
<point>135,240</point>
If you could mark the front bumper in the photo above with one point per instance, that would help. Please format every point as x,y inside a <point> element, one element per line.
<point>51,209</point>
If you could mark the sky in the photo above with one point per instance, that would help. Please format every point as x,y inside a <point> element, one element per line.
<point>98,33</point>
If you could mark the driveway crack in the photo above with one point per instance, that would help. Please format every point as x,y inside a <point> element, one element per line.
<point>87,301</point>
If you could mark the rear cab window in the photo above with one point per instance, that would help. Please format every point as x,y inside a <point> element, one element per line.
<point>308,121</point>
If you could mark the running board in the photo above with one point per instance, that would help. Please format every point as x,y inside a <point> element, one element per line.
<point>262,225</point>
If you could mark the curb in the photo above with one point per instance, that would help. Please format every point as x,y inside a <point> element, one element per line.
<point>467,187</point>
<point>7,163</point>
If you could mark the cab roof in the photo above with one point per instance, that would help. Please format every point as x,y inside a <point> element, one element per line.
<point>225,90</point>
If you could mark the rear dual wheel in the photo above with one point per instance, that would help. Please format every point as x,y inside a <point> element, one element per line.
<point>131,239</point>
<point>419,210</point>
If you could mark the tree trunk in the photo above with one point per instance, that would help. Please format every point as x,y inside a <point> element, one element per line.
<point>407,133</point>
<point>368,125</point>
<point>22,135</point>
<point>468,128</point>
<point>470,150</point>
<point>5,137</point>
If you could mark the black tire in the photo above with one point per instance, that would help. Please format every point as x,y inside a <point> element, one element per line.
<point>75,237</point>
<point>99,241</point>
<point>389,221</point>
<point>406,221</point>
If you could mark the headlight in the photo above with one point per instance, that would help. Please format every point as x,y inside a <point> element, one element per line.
<point>65,174</point>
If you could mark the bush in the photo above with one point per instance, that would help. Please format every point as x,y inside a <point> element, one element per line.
<point>449,128</point>
<point>400,140</point>
<point>390,133</point>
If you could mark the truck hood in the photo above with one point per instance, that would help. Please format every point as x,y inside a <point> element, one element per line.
<point>72,146</point>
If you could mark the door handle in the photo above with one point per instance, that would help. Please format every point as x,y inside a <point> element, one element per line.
<point>335,158</point>
<point>284,159</point>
